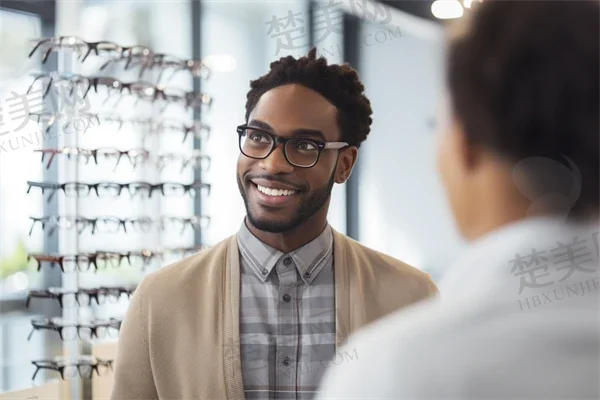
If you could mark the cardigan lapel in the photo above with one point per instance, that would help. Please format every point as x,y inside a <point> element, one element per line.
<point>341,270</point>
<point>232,359</point>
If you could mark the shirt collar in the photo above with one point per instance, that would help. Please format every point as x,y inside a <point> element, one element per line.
<point>262,258</point>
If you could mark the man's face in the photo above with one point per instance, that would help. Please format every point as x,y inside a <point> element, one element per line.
<point>291,111</point>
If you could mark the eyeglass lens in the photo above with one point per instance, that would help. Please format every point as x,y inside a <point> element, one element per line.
<point>298,151</point>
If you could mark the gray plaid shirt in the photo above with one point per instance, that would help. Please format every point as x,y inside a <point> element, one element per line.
<point>287,317</point>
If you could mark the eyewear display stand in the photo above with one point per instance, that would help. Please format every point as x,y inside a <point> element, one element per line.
<point>71,195</point>
<point>68,238</point>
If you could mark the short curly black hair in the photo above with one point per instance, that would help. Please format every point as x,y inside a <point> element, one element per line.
<point>340,84</point>
<point>532,90</point>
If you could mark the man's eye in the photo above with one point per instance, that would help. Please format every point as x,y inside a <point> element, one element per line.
<point>306,145</point>
<point>258,137</point>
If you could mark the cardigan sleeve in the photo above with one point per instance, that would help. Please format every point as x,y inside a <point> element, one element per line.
<point>133,370</point>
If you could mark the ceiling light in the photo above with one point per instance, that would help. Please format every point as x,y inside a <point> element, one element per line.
<point>220,62</point>
<point>447,9</point>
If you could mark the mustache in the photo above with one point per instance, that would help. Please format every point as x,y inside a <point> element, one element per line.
<point>274,178</point>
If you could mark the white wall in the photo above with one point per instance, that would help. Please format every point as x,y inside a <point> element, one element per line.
<point>402,208</point>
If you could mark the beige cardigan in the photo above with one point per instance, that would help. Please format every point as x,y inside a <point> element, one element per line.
<point>175,342</point>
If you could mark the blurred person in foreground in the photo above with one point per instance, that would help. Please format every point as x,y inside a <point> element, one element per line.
<point>518,155</point>
<point>261,314</point>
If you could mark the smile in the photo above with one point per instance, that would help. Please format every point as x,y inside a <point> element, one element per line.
<point>273,197</point>
<point>275,192</point>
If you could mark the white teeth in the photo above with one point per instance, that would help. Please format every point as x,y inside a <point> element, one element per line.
<point>275,192</point>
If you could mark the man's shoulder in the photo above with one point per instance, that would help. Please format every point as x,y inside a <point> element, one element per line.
<point>190,269</point>
<point>386,354</point>
<point>445,346</point>
<point>424,341</point>
<point>406,322</point>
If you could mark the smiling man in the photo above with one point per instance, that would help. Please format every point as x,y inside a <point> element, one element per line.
<point>262,314</point>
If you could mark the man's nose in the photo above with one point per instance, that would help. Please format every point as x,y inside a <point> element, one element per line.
<point>276,163</point>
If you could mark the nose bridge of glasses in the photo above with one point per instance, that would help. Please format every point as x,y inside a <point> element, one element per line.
<point>277,159</point>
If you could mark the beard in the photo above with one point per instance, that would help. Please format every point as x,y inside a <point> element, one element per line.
<point>307,208</point>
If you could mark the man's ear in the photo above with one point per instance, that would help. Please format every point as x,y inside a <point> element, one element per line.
<point>346,162</point>
<point>469,154</point>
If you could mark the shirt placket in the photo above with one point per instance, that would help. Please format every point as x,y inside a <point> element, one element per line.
<point>287,338</point>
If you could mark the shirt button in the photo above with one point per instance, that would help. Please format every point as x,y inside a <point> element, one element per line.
<point>286,361</point>
<point>287,261</point>
<point>264,271</point>
<point>287,298</point>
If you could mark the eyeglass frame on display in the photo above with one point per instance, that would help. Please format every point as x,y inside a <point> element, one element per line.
<point>99,294</point>
<point>71,189</point>
<point>196,128</point>
<point>145,57</point>
<point>197,157</point>
<point>57,325</point>
<point>59,365</point>
<point>93,153</point>
<point>55,220</point>
<point>143,90</point>
<point>109,257</point>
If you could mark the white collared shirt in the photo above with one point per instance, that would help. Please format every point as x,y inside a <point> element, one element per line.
<point>517,317</point>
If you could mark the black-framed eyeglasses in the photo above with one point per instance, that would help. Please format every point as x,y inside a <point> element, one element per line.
<point>101,260</point>
<point>80,46</point>
<point>69,368</point>
<point>300,152</point>
<point>68,331</point>
<point>81,297</point>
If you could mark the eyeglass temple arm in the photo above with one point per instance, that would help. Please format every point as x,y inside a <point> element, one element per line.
<point>38,261</point>
<point>40,367</point>
<point>28,301</point>
<point>122,223</point>
<point>52,193</point>
<point>90,46</point>
<point>47,54</point>
<point>34,220</point>
<point>91,83</point>
<point>335,145</point>
<point>39,43</point>
<point>52,152</point>
<point>35,80</point>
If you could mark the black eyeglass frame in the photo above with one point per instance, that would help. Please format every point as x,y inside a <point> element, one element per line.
<point>321,145</point>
